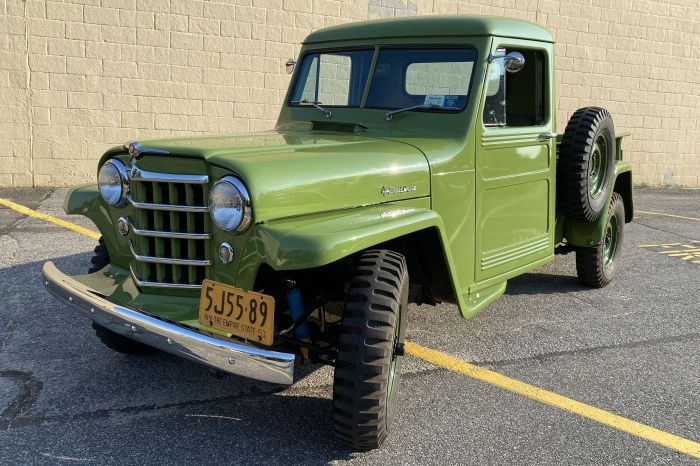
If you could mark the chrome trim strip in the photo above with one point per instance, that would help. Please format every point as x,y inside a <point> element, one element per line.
<point>167,260</point>
<point>169,207</point>
<point>136,150</point>
<point>168,234</point>
<point>175,286</point>
<point>219,353</point>
<point>138,174</point>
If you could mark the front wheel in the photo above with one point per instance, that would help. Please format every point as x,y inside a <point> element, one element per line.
<point>596,265</point>
<point>367,372</point>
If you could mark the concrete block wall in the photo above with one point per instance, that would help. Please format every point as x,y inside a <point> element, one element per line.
<point>79,76</point>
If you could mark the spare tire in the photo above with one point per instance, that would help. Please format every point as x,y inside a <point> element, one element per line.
<point>586,164</point>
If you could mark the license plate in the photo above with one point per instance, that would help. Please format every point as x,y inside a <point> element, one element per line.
<point>245,314</point>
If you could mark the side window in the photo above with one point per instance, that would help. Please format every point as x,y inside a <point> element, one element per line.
<point>516,99</point>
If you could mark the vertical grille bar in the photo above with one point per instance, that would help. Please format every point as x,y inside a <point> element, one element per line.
<point>191,247</point>
<point>175,226</point>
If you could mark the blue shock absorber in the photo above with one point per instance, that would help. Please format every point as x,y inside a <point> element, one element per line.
<point>296,308</point>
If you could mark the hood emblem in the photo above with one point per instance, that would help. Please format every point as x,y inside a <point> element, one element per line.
<point>137,151</point>
<point>386,190</point>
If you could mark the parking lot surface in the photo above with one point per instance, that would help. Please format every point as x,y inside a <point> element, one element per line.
<point>631,349</point>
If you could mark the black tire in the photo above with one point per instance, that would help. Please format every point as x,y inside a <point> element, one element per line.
<point>100,258</point>
<point>112,340</point>
<point>367,370</point>
<point>596,265</point>
<point>581,196</point>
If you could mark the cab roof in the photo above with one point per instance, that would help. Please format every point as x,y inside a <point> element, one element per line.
<point>431,26</point>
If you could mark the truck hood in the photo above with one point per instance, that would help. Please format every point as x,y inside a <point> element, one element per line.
<point>291,173</point>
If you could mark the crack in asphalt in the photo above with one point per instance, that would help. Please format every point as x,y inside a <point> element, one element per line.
<point>663,231</point>
<point>30,389</point>
<point>31,421</point>
<point>592,350</point>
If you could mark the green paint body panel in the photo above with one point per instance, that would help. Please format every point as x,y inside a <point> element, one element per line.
<point>316,184</point>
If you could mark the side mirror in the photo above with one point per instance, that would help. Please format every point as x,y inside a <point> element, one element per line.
<point>291,63</point>
<point>514,62</point>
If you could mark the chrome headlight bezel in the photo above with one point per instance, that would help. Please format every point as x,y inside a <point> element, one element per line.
<point>123,174</point>
<point>246,212</point>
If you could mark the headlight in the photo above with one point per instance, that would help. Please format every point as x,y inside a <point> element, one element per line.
<point>229,204</point>
<point>113,182</point>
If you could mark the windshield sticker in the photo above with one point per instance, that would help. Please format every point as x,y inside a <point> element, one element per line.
<point>435,100</point>
<point>451,100</point>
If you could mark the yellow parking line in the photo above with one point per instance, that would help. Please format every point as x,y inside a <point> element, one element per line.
<point>553,399</point>
<point>49,218</point>
<point>667,215</point>
<point>494,378</point>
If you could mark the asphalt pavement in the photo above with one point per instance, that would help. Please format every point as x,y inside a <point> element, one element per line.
<point>631,349</point>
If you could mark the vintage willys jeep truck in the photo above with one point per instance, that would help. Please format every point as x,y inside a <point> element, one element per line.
<point>414,160</point>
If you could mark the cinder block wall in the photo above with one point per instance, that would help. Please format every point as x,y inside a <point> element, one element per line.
<point>79,76</point>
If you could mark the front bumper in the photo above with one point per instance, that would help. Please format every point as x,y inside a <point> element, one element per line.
<point>221,354</point>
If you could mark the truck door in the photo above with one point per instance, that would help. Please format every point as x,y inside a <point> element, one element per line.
<point>515,162</point>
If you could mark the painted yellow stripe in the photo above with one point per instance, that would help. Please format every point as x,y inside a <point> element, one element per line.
<point>667,215</point>
<point>553,399</point>
<point>455,365</point>
<point>49,218</point>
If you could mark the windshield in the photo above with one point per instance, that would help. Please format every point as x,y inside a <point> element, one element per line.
<point>424,79</point>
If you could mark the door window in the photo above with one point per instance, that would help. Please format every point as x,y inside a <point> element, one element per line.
<point>515,99</point>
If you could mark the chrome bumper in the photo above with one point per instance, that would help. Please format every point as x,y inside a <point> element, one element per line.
<point>224,355</point>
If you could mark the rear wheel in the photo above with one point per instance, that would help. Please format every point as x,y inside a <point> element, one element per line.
<point>112,340</point>
<point>367,371</point>
<point>596,265</point>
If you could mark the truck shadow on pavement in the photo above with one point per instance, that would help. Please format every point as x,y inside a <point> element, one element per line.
<point>538,283</point>
<point>80,380</point>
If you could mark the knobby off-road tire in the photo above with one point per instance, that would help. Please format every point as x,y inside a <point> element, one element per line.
<point>110,339</point>
<point>586,164</point>
<point>367,372</point>
<point>596,265</point>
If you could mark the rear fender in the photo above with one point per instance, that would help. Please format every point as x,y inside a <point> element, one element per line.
<point>586,234</point>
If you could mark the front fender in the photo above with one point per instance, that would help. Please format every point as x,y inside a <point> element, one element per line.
<point>315,240</point>
<point>586,234</point>
<point>85,200</point>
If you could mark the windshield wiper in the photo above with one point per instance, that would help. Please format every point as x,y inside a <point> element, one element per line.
<point>315,105</point>
<point>390,115</point>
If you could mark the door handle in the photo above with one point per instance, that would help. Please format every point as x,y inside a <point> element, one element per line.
<point>547,136</point>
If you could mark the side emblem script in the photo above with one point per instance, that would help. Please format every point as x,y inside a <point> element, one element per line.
<point>386,190</point>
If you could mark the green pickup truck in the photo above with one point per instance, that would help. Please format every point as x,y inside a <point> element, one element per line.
<point>415,160</point>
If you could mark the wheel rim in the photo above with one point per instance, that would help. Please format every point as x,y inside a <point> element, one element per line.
<point>611,241</point>
<point>598,166</point>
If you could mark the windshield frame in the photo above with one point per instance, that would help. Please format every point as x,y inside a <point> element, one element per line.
<point>377,49</point>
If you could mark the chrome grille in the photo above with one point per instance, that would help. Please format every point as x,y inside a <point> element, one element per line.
<point>169,229</point>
